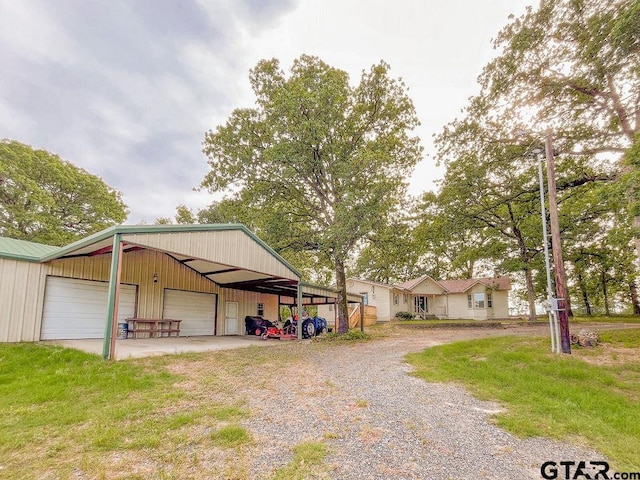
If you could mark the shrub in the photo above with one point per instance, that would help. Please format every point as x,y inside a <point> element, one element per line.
<point>404,315</point>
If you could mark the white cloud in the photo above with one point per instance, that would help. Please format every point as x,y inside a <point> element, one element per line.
<point>127,89</point>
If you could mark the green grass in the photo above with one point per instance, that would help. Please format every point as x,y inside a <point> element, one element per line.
<point>62,408</point>
<point>306,456</point>
<point>550,395</point>
<point>231,436</point>
<point>629,338</point>
<point>352,335</point>
<point>541,318</point>
<point>63,393</point>
<point>604,319</point>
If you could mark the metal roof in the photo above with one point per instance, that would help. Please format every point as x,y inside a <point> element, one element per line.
<point>24,250</point>
<point>212,256</point>
<point>104,238</point>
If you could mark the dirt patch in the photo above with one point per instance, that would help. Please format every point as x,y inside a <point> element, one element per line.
<point>608,355</point>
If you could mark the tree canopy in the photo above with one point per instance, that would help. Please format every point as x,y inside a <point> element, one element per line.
<point>572,67</point>
<point>321,162</point>
<point>47,200</point>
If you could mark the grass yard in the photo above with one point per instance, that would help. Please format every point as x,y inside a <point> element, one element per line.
<point>591,396</point>
<point>67,414</point>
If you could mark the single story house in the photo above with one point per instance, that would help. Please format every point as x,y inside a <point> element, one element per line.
<point>207,278</point>
<point>425,297</point>
<point>471,298</point>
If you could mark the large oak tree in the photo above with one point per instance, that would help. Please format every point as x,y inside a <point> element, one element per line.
<point>47,200</point>
<point>570,66</point>
<point>325,162</point>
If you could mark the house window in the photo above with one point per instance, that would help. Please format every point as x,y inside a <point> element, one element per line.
<point>396,299</point>
<point>469,301</point>
<point>261,309</point>
<point>405,298</point>
<point>365,297</point>
<point>478,300</point>
<point>489,301</point>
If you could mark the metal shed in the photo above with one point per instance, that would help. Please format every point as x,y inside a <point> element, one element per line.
<point>212,275</point>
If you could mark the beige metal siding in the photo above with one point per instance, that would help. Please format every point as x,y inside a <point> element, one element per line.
<point>138,268</point>
<point>247,305</point>
<point>228,247</point>
<point>21,294</point>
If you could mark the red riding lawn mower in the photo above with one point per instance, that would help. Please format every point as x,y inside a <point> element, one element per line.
<point>311,326</point>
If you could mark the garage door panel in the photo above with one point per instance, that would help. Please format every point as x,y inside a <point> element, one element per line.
<point>196,310</point>
<point>76,309</point>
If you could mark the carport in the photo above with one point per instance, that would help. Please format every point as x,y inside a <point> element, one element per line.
<point>227,260</point>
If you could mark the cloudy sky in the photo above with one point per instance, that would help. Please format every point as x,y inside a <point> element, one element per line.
<point>127,89</point>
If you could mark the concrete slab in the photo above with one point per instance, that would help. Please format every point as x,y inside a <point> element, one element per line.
<point>146,347</point>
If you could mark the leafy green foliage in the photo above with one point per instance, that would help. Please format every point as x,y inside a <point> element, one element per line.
<point>48,200</point>
<point>404,315</point>
<point>318,165</point>
<point>575,63</point>
<point>571,67</point>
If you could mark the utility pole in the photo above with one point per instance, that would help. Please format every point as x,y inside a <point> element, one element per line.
<point>561,281</point>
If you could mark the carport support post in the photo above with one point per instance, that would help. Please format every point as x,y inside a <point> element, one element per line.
<point>109,344</point>
<point>299,311</point>
<point>362,315</point>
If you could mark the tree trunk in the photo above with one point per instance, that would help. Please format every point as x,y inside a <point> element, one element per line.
<point>341,286</point>
<point>585,295</point>
<point>633,287</point>
<point>605,294</point>
<point>636,226</point>
<point>525,256</point>
<point>531,295</point>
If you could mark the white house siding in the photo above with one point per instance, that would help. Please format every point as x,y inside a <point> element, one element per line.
<point>404,302</point>
<point>378,295</point>
<point>500,304</point>
<point>458,304</point>
<point>427,287</point>
<point>21,293</point>
<point>439,306</point>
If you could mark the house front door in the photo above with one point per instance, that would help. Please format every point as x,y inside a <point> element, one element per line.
<point>420,305</point>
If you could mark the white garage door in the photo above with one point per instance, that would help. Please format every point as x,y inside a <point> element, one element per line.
<point>78,308</point>
<point>196,310</point>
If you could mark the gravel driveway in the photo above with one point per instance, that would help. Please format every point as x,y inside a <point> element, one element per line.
<point>381,423</point>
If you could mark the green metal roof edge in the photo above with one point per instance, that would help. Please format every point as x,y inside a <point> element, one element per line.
<point>27,257</point>
<point>17,256</point>
<point>133,229</point>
